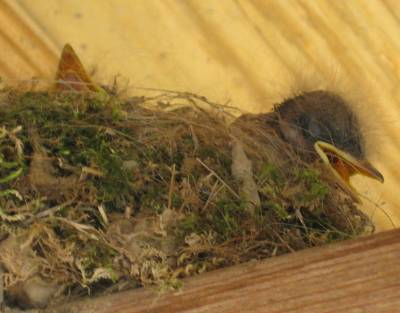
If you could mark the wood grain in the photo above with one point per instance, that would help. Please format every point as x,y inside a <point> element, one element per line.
<point>353,276</point>
<point>25,49</point>
<point>249,52</point>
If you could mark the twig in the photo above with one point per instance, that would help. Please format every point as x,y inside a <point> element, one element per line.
<point>219,178</point>
<point>49,212</point>
<point>194,137</point>
<point>171,187</point>
<point>213,193</point>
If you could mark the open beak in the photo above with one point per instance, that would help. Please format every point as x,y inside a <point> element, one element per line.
<point>343,166</point>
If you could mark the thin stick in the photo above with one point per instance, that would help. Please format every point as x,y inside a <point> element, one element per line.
<point>171,187</point>
<point>219,178</point>
<point>213,194</point>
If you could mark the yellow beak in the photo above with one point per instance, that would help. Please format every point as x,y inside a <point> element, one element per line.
<point>343,166</point>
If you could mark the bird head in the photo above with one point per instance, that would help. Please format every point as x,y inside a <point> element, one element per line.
<point>321,126</point>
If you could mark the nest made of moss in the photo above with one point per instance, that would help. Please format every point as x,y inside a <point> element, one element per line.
<point>100,193</point>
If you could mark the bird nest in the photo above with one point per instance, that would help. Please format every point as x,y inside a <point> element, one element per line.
<point>100,193</point>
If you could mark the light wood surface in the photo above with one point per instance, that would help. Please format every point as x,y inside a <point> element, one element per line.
<point>349,277</point>
<point>249,52</point>
<point>25,50</point>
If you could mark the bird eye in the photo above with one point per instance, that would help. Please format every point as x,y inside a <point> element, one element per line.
<point>314,128</point>
<point>303,121</point>
<point>309,126</point>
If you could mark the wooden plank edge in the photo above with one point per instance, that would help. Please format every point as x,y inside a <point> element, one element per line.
<point>360,275</point>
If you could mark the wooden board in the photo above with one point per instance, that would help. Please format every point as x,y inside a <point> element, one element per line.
<point>251,53</point>
<point>26,51</point>
<point>349,277</point>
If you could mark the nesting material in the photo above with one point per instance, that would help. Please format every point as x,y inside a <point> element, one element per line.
<point>101,193</point>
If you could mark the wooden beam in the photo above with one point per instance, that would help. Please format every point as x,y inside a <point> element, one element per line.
<point>354,276</point>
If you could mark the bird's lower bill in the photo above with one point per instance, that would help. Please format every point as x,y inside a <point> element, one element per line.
<point>343,166</point>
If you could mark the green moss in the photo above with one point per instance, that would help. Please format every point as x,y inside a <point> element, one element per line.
<point>227,219</point>
<point>271,175</point>
<point>192,223</point>
<point>315,189</point>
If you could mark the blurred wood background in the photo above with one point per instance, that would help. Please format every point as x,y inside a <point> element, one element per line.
<point>251,53</point>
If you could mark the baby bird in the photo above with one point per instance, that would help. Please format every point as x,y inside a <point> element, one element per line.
<point>321,127</point>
